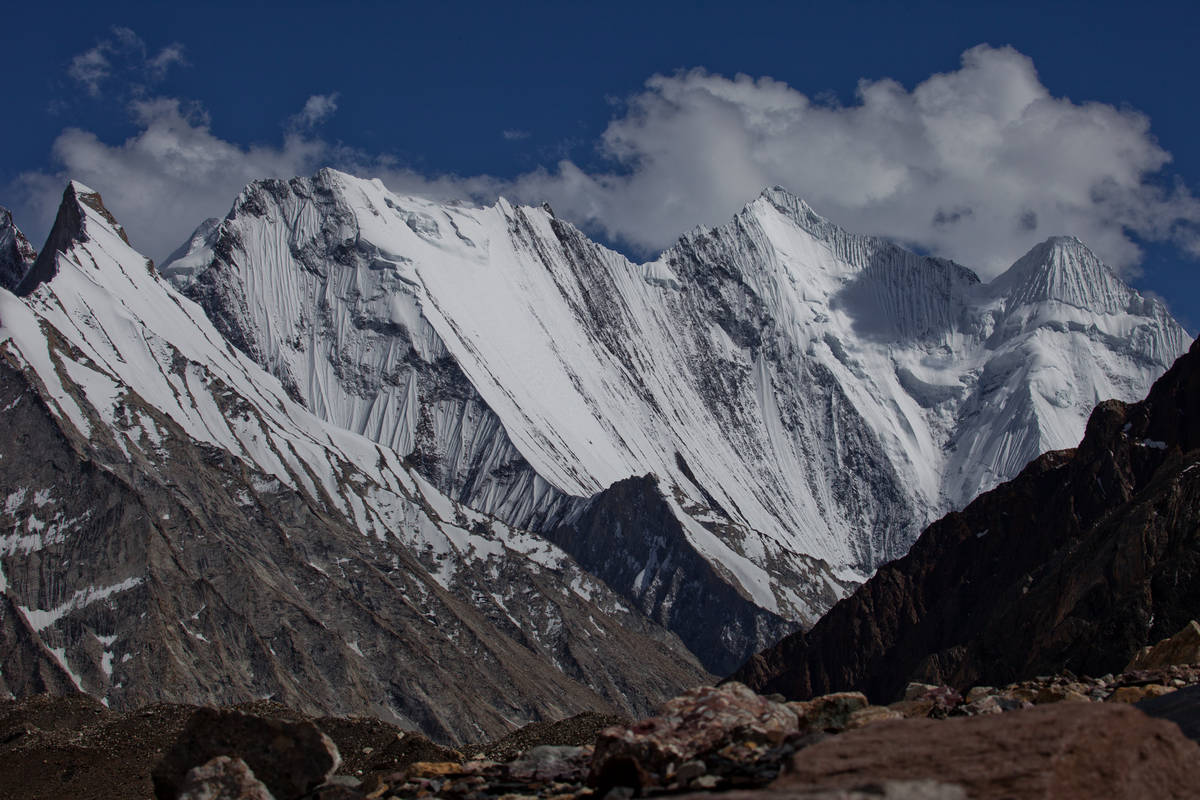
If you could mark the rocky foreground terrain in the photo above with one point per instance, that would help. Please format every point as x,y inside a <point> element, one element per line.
<point>1132,735</point>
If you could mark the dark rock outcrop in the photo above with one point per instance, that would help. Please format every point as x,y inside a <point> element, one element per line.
<point>28,665</point>
<point>1085,557</point>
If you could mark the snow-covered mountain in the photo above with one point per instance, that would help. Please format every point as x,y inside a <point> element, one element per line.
<point>803,399</point>
<point>175,527</point>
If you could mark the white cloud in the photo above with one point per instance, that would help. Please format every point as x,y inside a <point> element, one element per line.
<point>513,135</point>
<point>90,68</point>
<point>977,164</point>
<point>317,109</point>
<point>159,64</point>
<point>123,54</point>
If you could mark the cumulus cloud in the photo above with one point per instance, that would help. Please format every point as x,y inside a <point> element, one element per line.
<point>317,109</point>
<point>122,53</point>
<point>514,135</point>
<point>977,164</point>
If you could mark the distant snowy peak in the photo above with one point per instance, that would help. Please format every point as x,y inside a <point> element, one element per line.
<point>893,294</point>
<point>16,253</point>
<point>1061,284</point>
<point>882,290</point>
<point>1064,270</point>
<point>193,255</point>
<point>1061,269</point>
<point>858,251</point>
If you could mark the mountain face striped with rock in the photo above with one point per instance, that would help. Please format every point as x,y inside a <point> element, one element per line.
<point>1074,565</point>
<point>801,400</point>
<point>177,528</point>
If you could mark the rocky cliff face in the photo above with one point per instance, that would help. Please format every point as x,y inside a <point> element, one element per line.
<point>1076,564</point>
<point>177,528</point>
<point>807,399</point>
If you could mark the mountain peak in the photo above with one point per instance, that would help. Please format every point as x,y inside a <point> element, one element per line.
<point>191,256</point>
<point>16,253</point>
<point>1063,269</point>
<point>790,203</point>
<point>79,193</point>
<point>79,204</point>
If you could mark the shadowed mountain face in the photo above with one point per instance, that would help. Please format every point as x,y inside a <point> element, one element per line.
<point>1077,563</point>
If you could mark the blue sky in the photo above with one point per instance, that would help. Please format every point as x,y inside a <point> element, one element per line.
<point>969,130</point>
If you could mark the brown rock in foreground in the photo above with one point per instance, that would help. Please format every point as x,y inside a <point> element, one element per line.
<point>691,725</point>
<point>223,778</point>
<point>1182,648</point>
<point>1060,752</point>
<point>872,790</point>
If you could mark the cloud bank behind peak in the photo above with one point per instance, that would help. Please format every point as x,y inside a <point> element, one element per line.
<point>977,164</point>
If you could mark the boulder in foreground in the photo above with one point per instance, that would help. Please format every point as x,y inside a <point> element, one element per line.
<point>290,758</point>
<point>1062,751</point>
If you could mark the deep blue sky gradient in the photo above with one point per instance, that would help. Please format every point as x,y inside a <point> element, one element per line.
<point>435,84</point>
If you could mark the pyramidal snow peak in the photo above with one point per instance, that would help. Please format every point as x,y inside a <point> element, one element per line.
<point>760,416</point>
<point>180,529</point>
